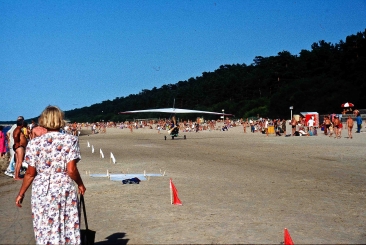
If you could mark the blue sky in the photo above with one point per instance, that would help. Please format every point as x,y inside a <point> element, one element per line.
<point>77,53</point>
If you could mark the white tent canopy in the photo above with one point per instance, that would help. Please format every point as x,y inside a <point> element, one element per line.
<point>306,113</point>
<point>175,110</point>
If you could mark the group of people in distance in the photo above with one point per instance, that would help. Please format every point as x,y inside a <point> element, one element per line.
<point>333,126</point>
<point>52,158</point>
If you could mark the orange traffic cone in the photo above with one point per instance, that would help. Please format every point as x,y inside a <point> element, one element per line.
<point>174,194</point>
<point>288,240</point>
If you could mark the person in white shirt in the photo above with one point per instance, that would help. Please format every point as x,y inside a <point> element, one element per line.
<point>251,123</point>
<point>266,126</point>
<point>311,124</point>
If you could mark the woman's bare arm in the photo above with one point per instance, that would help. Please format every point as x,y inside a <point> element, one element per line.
<point>74,174</point>
<point>27,181</point>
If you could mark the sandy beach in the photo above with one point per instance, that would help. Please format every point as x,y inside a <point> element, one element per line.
<point>235,188</point>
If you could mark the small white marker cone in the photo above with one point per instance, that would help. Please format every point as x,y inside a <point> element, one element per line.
<point>101,153</point>
<point>88,144</point>
<point>92,149</point>
<point>112,158</point>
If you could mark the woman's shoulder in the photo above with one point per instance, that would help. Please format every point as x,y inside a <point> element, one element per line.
<point>60,136</point>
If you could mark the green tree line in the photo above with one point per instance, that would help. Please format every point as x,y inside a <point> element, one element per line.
<point>320,79</point>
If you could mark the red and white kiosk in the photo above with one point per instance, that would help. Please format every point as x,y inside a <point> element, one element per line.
<point>309,115</point>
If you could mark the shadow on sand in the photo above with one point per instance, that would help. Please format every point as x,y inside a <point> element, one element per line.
<point>115,238</point>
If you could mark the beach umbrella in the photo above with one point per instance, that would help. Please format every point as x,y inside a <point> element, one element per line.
<point>347,104</point>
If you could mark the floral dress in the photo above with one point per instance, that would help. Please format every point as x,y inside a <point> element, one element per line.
<point>54,195</point>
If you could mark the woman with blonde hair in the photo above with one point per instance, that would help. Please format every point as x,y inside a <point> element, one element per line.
<point>52,159</point>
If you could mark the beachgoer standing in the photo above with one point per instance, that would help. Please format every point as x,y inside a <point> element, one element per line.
<point>283,125</point>
<point>11,168</point>
<point>266,126</point>
<point>73,128</point>
<point>310,124</point>
<point>328,123</point>
<point>245,126</point>
<point>349,126</point>
<point>251,123</point>
<point>32,125</point>
<point>340,127</point>
<point>323,126</point>
<point>20,143</point>
<point>130,127</point>
<point>335,126</point>
<point>25,130</point>
<point>293,125</point>
<point>52,160</point>
<point>359,122</point>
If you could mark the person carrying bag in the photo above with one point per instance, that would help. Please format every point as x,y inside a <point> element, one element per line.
<point>86,236</point>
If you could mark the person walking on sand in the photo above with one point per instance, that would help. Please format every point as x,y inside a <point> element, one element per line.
<point>73,128</point>
<point>340,127</point>
<point>20,143</point>
<point>11,167</point>
<point>52,160</point>
<point>245,124</point>
<point>311,124</point>
<point>251,123</point>
<point>349,126</point>
<point>130,127</point>
<point>328,124</point>
<point>283,125</point>
<point>336,126</point>
<point>359,122</point>
<point>293,125</point>
<point>266,126</point>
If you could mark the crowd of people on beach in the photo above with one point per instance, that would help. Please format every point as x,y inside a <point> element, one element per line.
<point>331,125</point>
<point>15,140</point>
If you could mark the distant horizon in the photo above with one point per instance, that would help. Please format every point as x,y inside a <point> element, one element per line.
<point>363,115</point>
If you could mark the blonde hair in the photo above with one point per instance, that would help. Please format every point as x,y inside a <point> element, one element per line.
<point>52,118</point>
